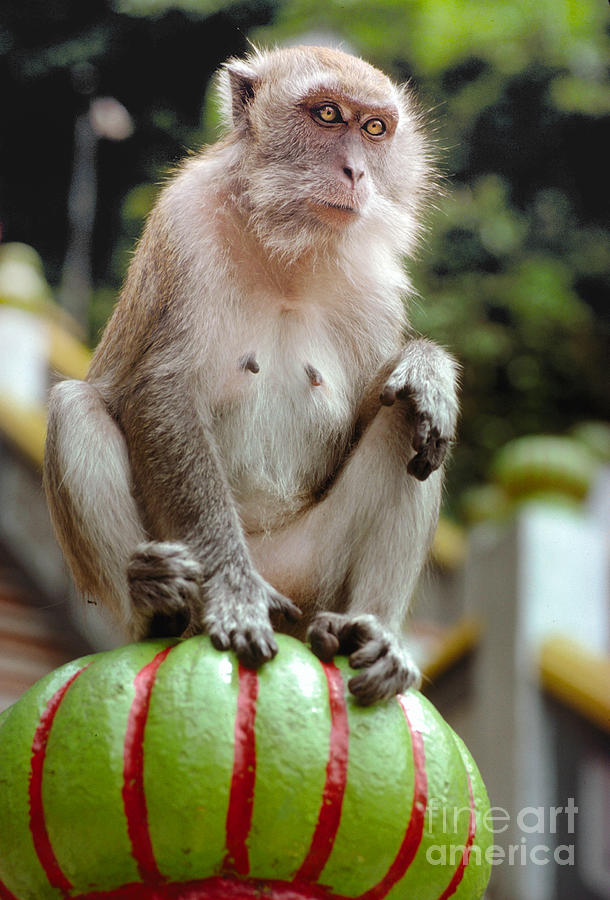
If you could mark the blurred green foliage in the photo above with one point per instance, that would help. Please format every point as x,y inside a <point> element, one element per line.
<point>513,275</point>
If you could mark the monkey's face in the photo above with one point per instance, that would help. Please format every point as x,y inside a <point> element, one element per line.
<point>331,147</point>
<point>342,150</point>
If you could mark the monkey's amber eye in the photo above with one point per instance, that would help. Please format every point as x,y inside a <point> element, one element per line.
<point>375,127</point>
<point>327,113</point>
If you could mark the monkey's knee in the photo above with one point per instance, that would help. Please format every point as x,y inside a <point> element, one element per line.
<point>165,588</point>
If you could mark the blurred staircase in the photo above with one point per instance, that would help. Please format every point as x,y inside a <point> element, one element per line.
<point>33,640</point>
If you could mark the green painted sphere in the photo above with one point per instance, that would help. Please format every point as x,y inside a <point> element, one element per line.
<point>595,436</point>
<point>545,464</point>
<point>165,769</point>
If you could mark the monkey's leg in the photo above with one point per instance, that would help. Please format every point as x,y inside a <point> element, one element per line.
<point>88,484</point>
<point>358,553</point>
<point>183,491</point>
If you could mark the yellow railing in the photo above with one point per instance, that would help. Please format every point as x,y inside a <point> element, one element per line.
<point>67,354</point>
<point>25,426</point>
<point>456,642</point>
<point>578,678</point>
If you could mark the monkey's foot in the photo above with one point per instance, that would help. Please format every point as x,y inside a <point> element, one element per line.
<point>165,587</point>
<point>388,668</point>
<point>237,611</point>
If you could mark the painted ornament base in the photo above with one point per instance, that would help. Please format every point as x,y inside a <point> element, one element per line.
<point>166,769</point>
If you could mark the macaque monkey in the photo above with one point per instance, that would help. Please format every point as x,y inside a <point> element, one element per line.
<point>258,444</point>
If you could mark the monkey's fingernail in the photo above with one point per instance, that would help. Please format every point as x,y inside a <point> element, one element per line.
<point>313,375</point>
<point>249,363</point>
<point>387,396</point>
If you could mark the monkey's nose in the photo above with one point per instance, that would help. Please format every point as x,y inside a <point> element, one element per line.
<point>353,175</point>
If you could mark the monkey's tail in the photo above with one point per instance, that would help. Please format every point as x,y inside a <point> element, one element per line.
<point>88,486</point>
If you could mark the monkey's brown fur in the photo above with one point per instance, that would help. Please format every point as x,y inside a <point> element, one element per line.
<point>255,424</point>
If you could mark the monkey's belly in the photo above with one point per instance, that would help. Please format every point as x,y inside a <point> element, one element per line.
<point>287,557</point>
<point>278,449</point>
<point>266,510</point>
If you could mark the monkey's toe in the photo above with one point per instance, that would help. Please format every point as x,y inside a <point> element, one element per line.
<point>367,655</point>
<point>324,635</point>
<point>254,648</point>
<point>240,622</point>
<point>284,606</point>
<point>391,674</point>
<point>324,645</point>
<point>386,666</point>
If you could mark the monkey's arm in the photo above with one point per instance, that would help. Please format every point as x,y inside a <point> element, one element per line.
<point>182,488</point>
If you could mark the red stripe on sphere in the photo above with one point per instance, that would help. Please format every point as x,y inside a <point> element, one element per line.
<point>5,894</point>
<point>241,798</point>
<point>415,828</point>
<point>38,826</point>
<point>134,798</point>
<point>336,777</point>
<point>459,872</point>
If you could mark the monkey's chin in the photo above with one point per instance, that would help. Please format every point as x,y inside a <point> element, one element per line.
<point>335,215</point>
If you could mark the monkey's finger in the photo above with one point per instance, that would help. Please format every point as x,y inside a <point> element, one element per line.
<point>368,654</point>
<point>429,459</point>
<point>438,451</point>
<point>368,688</point>
<point>286,607</point>
<point>422,432</point>
<point>420,466</point>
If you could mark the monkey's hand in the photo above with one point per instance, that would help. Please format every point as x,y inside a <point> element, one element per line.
<point>387,665</point>
<point>425,381</point>
<point>237,609</point>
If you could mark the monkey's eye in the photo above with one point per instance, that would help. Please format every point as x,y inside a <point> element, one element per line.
<point>327,113</point>
<point>375,127</point>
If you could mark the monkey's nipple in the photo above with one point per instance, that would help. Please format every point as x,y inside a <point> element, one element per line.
<point>314,376</point>
<point>248,363</point>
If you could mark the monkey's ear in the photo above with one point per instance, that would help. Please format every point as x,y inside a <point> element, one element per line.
<point>243,82</point>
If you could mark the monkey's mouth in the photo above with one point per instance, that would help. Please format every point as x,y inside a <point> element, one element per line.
<point>341,207</point>
<point>334,214</point>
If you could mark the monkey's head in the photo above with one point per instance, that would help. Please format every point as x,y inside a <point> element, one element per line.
<point>327,149</point>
